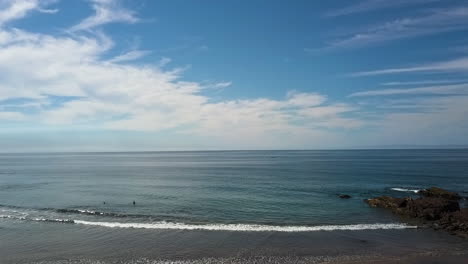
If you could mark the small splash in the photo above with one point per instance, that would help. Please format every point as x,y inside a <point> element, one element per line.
<point>12,217</point>
<point>405,190</point>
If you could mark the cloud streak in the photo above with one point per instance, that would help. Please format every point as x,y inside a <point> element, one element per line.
<point>106,11</point>
<point>436,22</point>
<point>13,10</point>
<point>130,56</point>
<point>455,65</point>
<point>435,90</point>
<point>424,82</point>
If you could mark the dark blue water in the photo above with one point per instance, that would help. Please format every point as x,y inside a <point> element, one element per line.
<point>281,188</point>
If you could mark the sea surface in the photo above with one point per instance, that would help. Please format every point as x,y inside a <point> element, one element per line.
<point>155,206</point>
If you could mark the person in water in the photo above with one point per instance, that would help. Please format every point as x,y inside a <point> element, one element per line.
<point>134,203</point>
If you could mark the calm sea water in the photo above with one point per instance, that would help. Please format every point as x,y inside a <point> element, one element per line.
<point>213,191</point>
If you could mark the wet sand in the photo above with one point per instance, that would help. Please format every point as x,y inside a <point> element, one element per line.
<point>418,259</point>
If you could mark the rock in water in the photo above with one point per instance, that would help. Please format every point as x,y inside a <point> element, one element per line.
<point>344,196</point>
<point>440,193</point>
<point>437,207</point>
<point>385,202</point>
<point>431,208</point>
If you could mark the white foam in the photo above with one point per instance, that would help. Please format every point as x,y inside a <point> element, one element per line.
<point>244,227</point>
<point>405,190</point>
<point>12,217</point>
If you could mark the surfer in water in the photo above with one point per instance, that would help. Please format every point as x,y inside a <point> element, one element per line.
<point>134,203</point>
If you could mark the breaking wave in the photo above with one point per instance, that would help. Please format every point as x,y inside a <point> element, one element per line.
<point>218,227</point>
<point>243,227</point>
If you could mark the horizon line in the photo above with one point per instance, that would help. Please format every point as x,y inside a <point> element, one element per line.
<point>240,150</point>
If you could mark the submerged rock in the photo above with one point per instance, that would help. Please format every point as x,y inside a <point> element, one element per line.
<point>438,208</point>
<point>344,196</point>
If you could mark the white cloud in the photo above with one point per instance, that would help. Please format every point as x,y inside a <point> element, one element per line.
<point>106,11</point>
<point>456,65</point>
<point>437,90</point>
<point>305,99</point>
<point>110,95</point>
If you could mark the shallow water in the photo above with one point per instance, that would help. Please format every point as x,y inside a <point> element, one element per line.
<point>206,196</point>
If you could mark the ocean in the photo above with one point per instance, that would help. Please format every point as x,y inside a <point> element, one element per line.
<point>151,207</point>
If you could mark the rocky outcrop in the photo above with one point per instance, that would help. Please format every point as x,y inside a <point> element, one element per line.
<point>386,202</point>
<point>440,193</point>
<point>456,222</point>
<point>437,207</point>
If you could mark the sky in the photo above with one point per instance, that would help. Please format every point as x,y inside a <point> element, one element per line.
<point>141,75</point>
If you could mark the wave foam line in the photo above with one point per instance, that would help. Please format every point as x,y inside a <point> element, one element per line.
<point>244,227</point>
<point>405,190</point>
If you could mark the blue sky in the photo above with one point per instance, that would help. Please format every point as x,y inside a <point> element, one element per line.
<point>98,75</point>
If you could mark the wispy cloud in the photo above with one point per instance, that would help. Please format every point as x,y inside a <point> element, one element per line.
<point>48,10</point>
<point>12,10</point>
<point>106,11</point>
<point>440,90</point>
<point>371,5</point>
<point>222,85</point>
<point>130,56</point>
<point>435,22</point>
<point>455,65</point>
<point>424,82</point>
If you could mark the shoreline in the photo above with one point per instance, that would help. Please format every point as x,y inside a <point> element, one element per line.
<point>426,257</point>
<point>70,244</point>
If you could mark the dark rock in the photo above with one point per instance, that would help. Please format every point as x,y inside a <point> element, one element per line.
<point>436,192</point>
<point>456,222</point>
<point>344,196</point>
<point>431,208</point>
<point>437,208</point>
<point>386,202</point>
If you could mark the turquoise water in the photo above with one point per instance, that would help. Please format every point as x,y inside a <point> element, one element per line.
<point>215,203</point>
